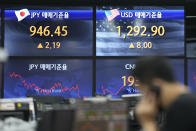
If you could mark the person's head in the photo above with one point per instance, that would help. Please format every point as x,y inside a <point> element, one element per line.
<point>152,68</point>
<point>153,71</point>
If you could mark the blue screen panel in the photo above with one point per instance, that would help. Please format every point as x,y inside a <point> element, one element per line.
<point>49,31</point>
<point>140,30</point>
<point>114,76</point>
<point>66,78</point>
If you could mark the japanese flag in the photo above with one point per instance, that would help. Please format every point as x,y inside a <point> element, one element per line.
<point>21,14</point>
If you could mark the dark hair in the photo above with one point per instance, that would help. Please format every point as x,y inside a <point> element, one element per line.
<point>149,67</point>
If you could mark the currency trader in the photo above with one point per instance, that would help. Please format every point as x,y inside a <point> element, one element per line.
<point>162,92</point>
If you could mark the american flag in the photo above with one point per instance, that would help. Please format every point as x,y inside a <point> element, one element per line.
<point>111,14</point>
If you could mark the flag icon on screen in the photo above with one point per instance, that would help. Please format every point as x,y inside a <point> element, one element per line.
<point>111,14</point>
<point>21,14</point>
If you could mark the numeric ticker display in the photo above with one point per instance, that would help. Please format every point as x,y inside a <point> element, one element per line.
<point>115,76</point>
<point>50,32</point>
<point>69,32</point>
<point>140,30</point>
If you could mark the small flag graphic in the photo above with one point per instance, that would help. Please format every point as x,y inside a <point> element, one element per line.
<point>21,14</point>
<point>111,14</point>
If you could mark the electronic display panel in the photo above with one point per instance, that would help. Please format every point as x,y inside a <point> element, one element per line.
<point>70,78</point>
<point>49,31</point>
<point>192,74</point>
<point>114,76</point>
<point>140,30</point>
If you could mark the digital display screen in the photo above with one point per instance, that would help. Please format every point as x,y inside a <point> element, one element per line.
<point>192,75</point>
<point>114,76</point>
<point>140,30</point>
<point>49,32</point>
<point>64,32</point>
<point>52,77</point>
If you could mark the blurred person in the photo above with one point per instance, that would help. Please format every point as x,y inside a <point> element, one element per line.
<point>162,92</point>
